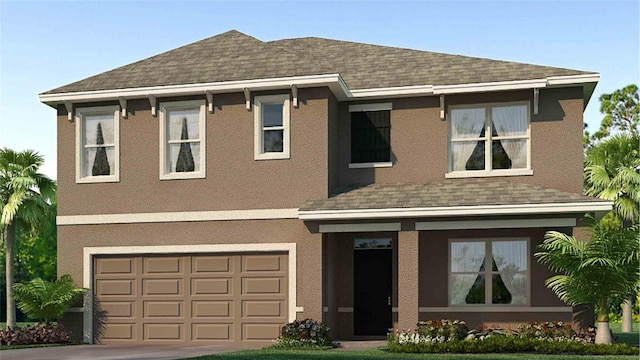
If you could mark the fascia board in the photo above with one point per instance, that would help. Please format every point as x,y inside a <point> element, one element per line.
<point>520,209</point>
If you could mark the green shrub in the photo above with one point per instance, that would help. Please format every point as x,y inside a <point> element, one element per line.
<point>546,330</point>
<point>41,299</point>
<point>305,333</point>
<point>34,334</point>
<point>443,330</point>
<point>510,344</point>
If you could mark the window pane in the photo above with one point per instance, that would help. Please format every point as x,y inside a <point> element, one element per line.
<point>509,120</point>
<point>273,141</point>
<point>98,129</point>
<point>184,157</point>
<point>509,154</point>
<point>467,256</point>
<point>467,289</point>
<point>510,255</point>
<point>370,136</point>
<point>509,288</point>
<point>467,155</point>
<point>272,115</point>
<point>372,244</point>
<point>467,123</point>
<point>184,124</point>
<point>98,161</point>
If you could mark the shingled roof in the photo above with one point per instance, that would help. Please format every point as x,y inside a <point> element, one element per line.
<point>234,56</point>
<point>448,193</point>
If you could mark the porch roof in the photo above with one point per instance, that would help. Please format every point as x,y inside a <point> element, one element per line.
<point>448,198</point>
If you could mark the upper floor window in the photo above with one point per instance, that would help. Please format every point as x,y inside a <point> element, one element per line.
<point>489,140</point>
<point>271,127</point>
<point>182,140</point>
<point>97,139</point>
<point>370,135</point>
<point>489,272</point>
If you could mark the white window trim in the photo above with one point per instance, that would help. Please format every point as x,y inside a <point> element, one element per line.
<point>283,99</point>
<point>487,242</point>
<point>371,107</point>
<point>489,173</point>
<point>97,110</point>
<point>370,165</point>
<point>182,105</point>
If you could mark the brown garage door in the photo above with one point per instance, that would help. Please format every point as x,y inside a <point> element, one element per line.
<point>190,298</point>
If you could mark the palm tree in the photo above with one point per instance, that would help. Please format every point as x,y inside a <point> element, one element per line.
<point>600,272</point>
<point>612,172</point>
<point>24,199</point>
<point>47,300</point>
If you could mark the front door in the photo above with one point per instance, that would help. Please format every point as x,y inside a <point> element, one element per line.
<point>372,282</point>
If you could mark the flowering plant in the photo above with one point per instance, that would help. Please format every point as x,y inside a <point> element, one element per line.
<point>304,333</point>
<point>443,329</point>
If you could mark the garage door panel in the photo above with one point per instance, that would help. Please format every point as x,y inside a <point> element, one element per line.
<point>119,331</point>
<point>217,286</point>
<point>162,287</point>
<point>163,265</point>
<point>163,331</point>
<point>120,287</point>
<point>163,309</point>
<point>114,266</point>
<point>120,309</point>
<point>262,285</point>
<point>212,331</point>
<point>262,332</point>
<point>211,264</point>
<point>219,309</point>
<point>257,308</point>
<point>261,263</point>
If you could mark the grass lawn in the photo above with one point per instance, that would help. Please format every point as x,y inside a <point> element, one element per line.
<point>632,338</point>
<point>20,324</point>
<point>379,354</point>
<point>10,347</point>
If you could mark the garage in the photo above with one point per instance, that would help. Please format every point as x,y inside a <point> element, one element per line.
<point>178,298</point>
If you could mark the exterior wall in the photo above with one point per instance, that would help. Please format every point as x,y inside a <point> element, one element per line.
<point>334,137</point>
<point>234,180</point>
<point>433,269</point>
<point>72,240</point>
<point>419,139</point>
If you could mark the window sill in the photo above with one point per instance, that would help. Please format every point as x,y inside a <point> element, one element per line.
<point>370,165</point>
<point>473,174</point>
<point>97,179</point>
<point>271,156</point>
<point>181,176</point>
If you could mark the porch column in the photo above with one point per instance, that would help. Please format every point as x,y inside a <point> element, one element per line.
<point>407,279</point>
<point>310,283</point>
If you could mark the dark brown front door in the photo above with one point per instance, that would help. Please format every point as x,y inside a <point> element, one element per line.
<point>372,293</point>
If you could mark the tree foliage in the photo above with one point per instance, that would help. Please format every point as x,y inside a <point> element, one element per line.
<point>602,271</point>
<point>620,109</point>
<point>46,300</point>
<point>612,172</point>
<point>25,200</point>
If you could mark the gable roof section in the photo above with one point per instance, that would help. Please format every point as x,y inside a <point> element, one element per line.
<point>466,197</point>
<point>226,57</point>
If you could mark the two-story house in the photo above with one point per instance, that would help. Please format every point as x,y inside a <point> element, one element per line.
<point>216,191</point>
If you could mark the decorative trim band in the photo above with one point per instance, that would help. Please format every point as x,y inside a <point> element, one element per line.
<point>222,215</point>
<point>339,228</point>
<point>496,224</point>
<point>345,309</point>
<point>370,107</point>
<point>503,309</point>
<point>524,209</point>
<point>370,165</point>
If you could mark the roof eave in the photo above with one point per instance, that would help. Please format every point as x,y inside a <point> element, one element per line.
<point>334,81</point>
<point>598,208</point>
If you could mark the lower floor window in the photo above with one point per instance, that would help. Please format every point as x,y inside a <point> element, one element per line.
<point>489,272</point>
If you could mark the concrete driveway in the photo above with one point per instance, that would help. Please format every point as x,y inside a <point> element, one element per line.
<point>103,352</point>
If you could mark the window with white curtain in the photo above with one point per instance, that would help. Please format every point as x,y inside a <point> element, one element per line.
<point>182,139</point>
<point>489,139</point>
<point>97,139</point>
<point>489,272</point>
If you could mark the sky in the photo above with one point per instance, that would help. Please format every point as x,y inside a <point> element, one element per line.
<point>46,44</point>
